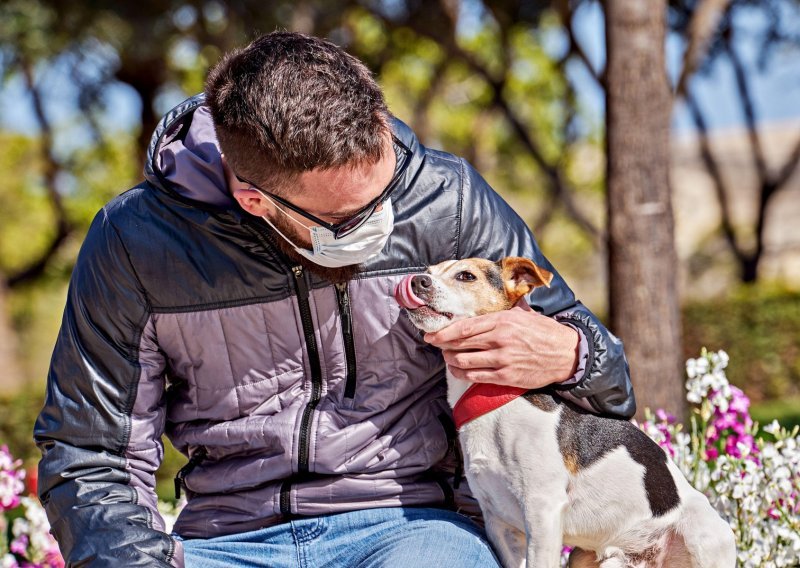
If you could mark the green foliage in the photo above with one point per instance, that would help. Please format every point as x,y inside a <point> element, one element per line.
<point>758,327</point>
<point>26,222</point>
<point>19,412</point>
<point>785,411</point>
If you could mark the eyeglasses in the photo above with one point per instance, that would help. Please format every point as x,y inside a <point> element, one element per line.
<point>344,228</point>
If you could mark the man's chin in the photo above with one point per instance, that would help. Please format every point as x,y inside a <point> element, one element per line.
<point>334,275</point>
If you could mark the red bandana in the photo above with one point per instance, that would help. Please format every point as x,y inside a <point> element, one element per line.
<point>482,398</point>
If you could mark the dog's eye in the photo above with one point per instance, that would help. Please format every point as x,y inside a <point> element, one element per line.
<point>465,276</point>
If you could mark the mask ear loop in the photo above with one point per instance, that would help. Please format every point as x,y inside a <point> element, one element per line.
<point>282,210</point>
<point>277,230</point>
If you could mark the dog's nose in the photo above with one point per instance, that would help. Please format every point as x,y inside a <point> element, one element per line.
<point>405,296</point>
<point>420,283</point>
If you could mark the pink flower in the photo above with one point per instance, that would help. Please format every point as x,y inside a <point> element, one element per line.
<point>712,434</point>
<point>665,416</point>
<point>19,545</point>
<point>739,401</point>
<point>725,421</point>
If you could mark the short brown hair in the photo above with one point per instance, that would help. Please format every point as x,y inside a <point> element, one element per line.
<point>289,103</point>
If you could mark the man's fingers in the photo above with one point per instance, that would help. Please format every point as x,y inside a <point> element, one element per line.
<point>456,334</point>
<point>475,375</point>
<point>470,359</point>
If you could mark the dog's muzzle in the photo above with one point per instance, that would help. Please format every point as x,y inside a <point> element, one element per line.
<point>405,296</point>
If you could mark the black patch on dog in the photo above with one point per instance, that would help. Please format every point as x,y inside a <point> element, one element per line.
<point>541,400</point>
<point>494,277</point>
<point>584,438</point>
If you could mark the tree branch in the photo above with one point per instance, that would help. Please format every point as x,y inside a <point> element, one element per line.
<point>566,14</point>
<point>788,168</point>
<point>51,169</point>
<point>422,105</point>
<point>748,108</point>
<point>714,171</point>
<point>558,185</point>
<point>702,26</point>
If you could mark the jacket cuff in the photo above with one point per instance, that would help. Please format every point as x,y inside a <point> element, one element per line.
<point>585,352</point>
<point>177,559</point>
<point>583,357</point>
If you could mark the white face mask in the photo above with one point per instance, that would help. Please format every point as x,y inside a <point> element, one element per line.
<point>357,247</point>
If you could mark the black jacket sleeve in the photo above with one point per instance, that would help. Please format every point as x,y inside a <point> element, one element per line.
<point>489,228</point>
<point>100,429</point>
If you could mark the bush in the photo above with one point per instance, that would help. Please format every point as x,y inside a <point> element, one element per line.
<point>758,328</point>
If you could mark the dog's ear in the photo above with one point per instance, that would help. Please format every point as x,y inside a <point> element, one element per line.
<point>521,275</point>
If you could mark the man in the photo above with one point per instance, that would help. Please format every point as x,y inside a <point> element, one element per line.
<point>240,300</point>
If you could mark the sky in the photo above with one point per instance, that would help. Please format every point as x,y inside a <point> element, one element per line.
<point>776,90</point>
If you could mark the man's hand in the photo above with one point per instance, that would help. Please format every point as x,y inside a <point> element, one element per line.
<point>516,347</point>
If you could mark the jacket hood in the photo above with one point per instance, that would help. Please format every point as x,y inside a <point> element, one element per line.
<point>184,158</point>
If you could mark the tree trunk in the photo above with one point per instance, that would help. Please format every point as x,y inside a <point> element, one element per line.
<point>643,296</point>
<point>10,373</point>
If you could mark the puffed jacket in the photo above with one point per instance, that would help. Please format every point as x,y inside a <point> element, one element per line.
<point>288,395</point>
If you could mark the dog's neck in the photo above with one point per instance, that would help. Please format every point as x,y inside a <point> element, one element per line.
<point>455,388</point>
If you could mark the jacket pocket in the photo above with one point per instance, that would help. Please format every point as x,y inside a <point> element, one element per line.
<point>180,479</point>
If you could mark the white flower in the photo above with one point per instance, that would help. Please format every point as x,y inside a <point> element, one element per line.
<point>772,427</point>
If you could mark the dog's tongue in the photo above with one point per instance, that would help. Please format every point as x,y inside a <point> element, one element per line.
<point>405,295</point>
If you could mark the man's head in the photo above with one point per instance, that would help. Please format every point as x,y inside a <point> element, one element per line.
<point>297,117</point>
<point>290,103</point>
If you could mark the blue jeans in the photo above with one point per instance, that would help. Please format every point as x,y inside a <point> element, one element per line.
<point>393,537</point>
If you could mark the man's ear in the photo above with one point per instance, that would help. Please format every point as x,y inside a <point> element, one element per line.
<point>521,275</point>
<point>251,201</point>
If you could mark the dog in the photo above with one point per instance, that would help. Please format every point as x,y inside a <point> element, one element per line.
<point>548,473</point>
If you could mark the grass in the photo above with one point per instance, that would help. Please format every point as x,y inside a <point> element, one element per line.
<point>786,411</point>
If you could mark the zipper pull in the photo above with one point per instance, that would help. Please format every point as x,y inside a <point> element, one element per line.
<point>198,456</point>
<point>344,297</point>
<point>344,306</point>
<point>300,281</point>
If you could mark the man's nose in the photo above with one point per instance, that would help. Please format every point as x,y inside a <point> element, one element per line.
<point>421,283</point>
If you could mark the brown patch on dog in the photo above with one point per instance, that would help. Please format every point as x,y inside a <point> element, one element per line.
<point>570,462</point>
<point>579,558</point>
<point>521,275</point>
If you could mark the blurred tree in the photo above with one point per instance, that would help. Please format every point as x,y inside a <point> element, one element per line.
<point>770,24</point>
<point>642,258</point>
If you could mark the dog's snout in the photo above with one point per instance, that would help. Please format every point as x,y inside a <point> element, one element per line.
<point>420,283</point>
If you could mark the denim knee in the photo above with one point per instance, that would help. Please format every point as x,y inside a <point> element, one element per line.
<point>442,540</point>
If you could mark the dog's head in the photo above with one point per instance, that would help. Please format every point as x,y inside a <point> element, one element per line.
<point>459,289</point>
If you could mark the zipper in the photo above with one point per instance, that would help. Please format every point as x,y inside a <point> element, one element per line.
<point>194,461</point>
<point>343,298</point>
<point>301,287</point>
<point>453,446</point>
<point>316,385</point>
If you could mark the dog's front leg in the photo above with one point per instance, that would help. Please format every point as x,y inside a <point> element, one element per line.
<point>543,525</point>
<point>507,540</point>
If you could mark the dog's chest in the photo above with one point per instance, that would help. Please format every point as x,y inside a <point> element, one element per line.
<point>508,452</point>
